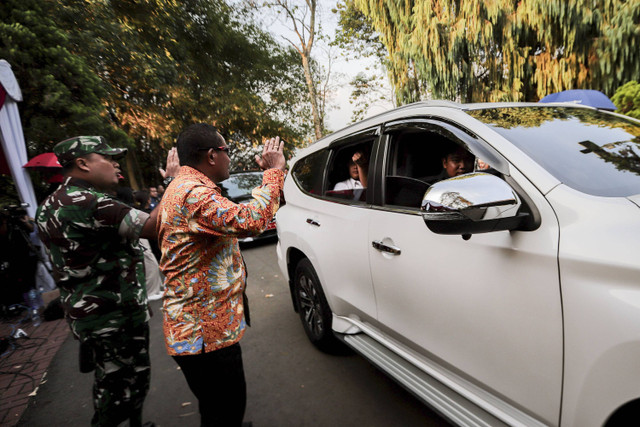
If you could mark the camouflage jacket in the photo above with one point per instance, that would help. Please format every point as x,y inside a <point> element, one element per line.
<point>92,240</point>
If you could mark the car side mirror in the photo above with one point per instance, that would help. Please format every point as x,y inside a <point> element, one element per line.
<point>470,204</point>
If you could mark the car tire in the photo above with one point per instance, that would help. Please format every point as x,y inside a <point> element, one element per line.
<point>313,308</point>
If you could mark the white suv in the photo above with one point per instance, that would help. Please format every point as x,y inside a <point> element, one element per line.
<point>508,295</point>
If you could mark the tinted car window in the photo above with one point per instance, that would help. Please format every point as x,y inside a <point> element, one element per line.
<point>309,171</point>
<point>238,186</point>
<point>339,184</point>
<point>588,150</point>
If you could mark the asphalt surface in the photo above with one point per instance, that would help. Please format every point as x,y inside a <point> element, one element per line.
<point>289,382</point>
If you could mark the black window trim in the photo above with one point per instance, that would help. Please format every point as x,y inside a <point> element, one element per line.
<point>478,146</point>
<point>373,132</point>
<point>453,130</point>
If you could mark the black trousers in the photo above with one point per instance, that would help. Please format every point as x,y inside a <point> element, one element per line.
<point>217,380</point>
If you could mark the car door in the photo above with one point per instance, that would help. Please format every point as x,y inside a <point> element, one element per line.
<point>335,231</point>
<point>487,308</point>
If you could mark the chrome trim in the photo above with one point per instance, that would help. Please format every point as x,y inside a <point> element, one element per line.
<point>393,250</point>
<point>481,398</point>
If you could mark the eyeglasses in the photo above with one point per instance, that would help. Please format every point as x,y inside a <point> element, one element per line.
<point>225,149</point>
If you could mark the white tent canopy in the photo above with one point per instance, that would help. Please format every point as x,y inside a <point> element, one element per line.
<point>12,138</point>
<point>15,152</point>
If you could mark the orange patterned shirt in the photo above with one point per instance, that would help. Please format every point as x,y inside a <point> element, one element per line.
<point>205,274</point>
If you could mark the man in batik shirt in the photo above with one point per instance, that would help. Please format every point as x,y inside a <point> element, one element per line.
<point>204,313</point>
<point>92,240</point>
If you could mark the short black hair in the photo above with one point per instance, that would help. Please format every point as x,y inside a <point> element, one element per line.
<point>193,139</point>
<point>125,195</point>
<point>141,197</point>
<point>450,147</point>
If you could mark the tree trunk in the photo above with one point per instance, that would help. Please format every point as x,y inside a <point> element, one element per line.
<point>317,120</point>
<point>132,170</point>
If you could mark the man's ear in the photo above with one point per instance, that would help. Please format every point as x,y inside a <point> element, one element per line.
<point>211,157</point>
<point>82,164</point>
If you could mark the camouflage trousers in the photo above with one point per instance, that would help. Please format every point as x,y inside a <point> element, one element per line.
<point>122,375</point>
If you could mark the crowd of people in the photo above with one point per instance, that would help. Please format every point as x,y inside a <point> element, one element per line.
<point>99,236</point>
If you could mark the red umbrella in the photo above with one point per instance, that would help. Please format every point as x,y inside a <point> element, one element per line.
<point>44,160</point>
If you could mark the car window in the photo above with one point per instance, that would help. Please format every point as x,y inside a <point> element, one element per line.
<point>346,179</point>
<point>415,161</point>
<point>238,186</point>
<point>308,172</point>
<point>588,150</point>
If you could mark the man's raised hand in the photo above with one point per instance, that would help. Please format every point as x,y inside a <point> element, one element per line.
<point>173,164</point>
<point>272,155</point>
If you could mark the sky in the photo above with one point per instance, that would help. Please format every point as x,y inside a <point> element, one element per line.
<point>344,66</point>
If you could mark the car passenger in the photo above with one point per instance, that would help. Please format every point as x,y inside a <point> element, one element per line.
<point>456,160</point>
<point>358,169</point>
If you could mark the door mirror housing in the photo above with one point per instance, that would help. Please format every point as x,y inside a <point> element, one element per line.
<point>470,204</point>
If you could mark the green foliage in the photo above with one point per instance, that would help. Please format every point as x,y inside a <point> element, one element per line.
<point>139,72</point>
<point>627,99</point>
<point>62,96</point>
<point>503,50</point>
<point>355,32</point>
<point>167,64</point>
<point>366,92</point>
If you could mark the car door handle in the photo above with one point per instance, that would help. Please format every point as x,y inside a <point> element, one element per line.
<point>386,248</point>
<point>313,222</point>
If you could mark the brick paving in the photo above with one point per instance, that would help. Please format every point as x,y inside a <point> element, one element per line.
<point>24,363</point>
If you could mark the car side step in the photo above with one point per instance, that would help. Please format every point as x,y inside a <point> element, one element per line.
<point>423,386</point>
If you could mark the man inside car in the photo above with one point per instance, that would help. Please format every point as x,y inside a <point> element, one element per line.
<point>456,160</point>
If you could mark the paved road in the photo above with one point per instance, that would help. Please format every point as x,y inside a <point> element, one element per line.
<point>289,382</point>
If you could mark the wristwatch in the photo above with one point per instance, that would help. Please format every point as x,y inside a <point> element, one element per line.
<point>168,180</point>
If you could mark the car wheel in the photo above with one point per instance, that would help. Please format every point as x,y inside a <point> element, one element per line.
<point>313,308</point>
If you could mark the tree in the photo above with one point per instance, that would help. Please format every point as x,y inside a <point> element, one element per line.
<point>367,91</point>
<point>62,96</point>
<point>167,64</point>
<point>355,35</point>
<point>139,72</point>
<point>304,25</point>
<point>627,99</point>
<point>355,32</point>
<point>504,50</point>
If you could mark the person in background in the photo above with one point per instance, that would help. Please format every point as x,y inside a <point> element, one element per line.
<point>205,310</point>
<point>456,160</point>
<point>153,198</point>
<point>153,277</point>
<point>17,259</point>
<point>92,239</point>
<point>358,170</point>
<point>142,200</point>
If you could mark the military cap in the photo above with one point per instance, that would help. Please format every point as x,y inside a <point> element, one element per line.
<point>72,148</point>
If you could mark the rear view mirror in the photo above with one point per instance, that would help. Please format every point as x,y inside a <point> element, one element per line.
<point>470,204</point>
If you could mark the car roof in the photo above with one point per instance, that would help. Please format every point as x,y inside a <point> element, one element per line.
<point>408,108</point>
<point>424,106</point>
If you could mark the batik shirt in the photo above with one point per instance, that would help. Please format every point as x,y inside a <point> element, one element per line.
<point>92,240</point>
<point>204,271</point>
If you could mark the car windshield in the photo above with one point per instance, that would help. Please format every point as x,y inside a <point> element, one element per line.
<point>589,150</point>
<point>239,185</point>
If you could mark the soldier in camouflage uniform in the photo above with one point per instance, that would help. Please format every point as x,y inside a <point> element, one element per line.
<point>92,240</point>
